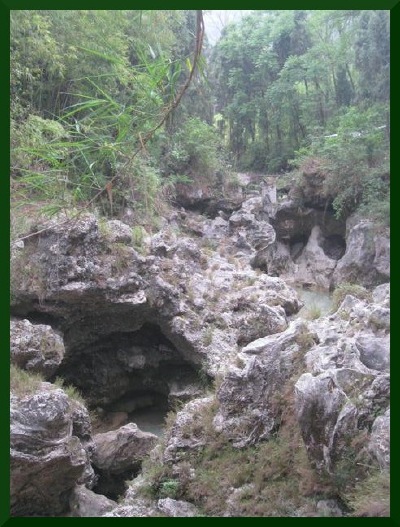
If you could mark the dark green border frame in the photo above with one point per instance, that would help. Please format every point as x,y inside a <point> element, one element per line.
<point>5,7</point>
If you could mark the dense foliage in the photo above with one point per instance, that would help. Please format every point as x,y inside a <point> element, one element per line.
<point>87,87</point>
<point>283,88</point>
<point>310,84</point>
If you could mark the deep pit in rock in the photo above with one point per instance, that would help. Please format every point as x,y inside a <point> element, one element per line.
<point>130,377</point>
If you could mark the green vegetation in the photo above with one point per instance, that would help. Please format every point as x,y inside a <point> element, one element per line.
<point>88,91</point>
<point>288,88</point>
<point>72,392</point>
<point>371,497</point>
<point>344,289</point>
<point>312,86</point>
<point>23,383</point>
<point>312,312</point>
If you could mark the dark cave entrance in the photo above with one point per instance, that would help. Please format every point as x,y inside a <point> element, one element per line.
<point>334,246</point>
<point>297,244</point>
<point>127,372</point>
<point>130,376</point>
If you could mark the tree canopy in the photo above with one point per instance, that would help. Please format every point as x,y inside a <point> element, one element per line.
<point>278,89</point>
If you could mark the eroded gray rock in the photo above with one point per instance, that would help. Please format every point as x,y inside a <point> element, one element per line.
<point>348,385</point>
<point>367,257</point>
<point>85,503</point>
<point>247,412</point>
<point>187,434</point>
<point>379,442</point>
<point>47,459</point>
<point>123,449</point>
<point>35,347</point>
<point>176,508</point>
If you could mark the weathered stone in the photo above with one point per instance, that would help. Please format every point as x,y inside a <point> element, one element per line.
<point>381,295</point>
<point>313,266</point>
<point>123,449</point>
<point>85,503</point>
<point>186,434</point>
<point>176,508</point>
<point>367,257</point>
<point>339,400</point>
<point>374,351</point>
<point>379,443</point>
<point>118,232</point>
<point>329,508</point>
<point>35,347</point>
<point>246,412</point>
<point>47,460</point>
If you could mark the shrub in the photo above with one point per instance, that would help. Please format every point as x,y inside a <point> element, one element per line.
<point>346,288</point>
<point>169,489</point>
<point>354,163</point>
<point>71,391</point>
<point>371,497</point>
<point>312,312</point>
<point>23,383</point>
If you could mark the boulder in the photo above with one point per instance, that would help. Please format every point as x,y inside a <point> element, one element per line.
<point>118,457</point>
<point>374,351</point>
<point>247,411</point>
<point>122,450</point>
<point>176,508</point>
<point>47,459</point>
<point>367,258</point>
<point>85,503</point>
<point>379,442</point>
<point>35,347</point>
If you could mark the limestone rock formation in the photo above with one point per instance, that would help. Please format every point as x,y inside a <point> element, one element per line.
<point>367,257</point>
<point>247,410</point>
<point>47,458</point>
<point>122,314</point>
<point>346,388</point>
<point>184,435</point>
<point>118,456</point>
<point>176,508</point>
<point>84,503</point>
<point>35,347</point>
<point>122,449</point>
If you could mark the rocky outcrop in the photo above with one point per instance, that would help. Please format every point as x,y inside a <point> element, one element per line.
<point>346,388</point>
<point>85,503</point>
<point>313,266</point>
<point>379,441</point>
<point>122,314</point>
<point>35,347</point>
<point>176,508</point>
<point>247,411</point>
<point>118,456</point>
<point>367,257</point>
<point>187,433</point>
<point>49,456</point>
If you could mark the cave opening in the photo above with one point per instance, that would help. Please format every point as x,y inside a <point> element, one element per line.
<point>130,377</point>
<point>334,246</point>
<point>297,244</point>
<point>125,374</point>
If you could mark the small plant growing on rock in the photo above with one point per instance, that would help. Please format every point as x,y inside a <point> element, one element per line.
<point>23,383</point>
<point>138,234</point>
<point>349,289</point>
<point>169,489</point>
<point>312,312</point>
<point>208,336</point>
<point>71,391</point>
